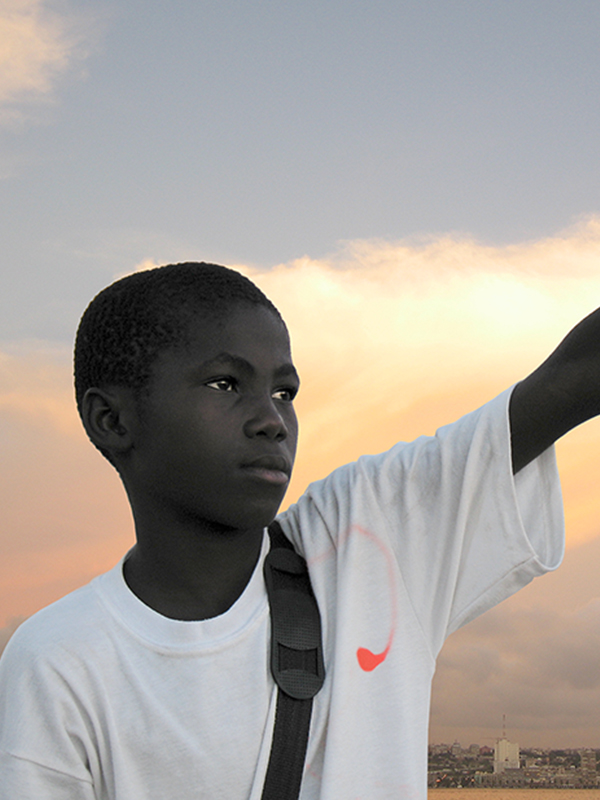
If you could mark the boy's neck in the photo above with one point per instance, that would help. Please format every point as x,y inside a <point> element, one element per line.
<point>191,574</point>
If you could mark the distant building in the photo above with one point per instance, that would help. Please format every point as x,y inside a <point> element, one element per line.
<point>506,755</point>
<point>588,762</point>
<point>436,749</point>
<point>538,769</point>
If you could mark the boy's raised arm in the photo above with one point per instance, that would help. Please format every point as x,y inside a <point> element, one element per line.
<point>562,393</point>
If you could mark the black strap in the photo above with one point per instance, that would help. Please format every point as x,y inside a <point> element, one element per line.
<point>296,663</point>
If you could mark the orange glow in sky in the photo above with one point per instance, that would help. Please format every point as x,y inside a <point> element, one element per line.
<point>391,342</point>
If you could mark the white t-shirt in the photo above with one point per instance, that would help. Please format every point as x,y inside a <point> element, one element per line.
<point>101,697</point>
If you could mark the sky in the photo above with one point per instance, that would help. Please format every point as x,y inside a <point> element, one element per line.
<point>415,185</point>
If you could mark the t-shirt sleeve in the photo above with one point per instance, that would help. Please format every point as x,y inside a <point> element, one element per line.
<point>21,779</point>
<point>42,731</point>
<point>465,533</point>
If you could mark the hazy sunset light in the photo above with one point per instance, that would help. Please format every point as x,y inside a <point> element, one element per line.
<point>414,243</point>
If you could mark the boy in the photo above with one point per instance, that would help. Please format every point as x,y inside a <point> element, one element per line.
<point>153,681</point>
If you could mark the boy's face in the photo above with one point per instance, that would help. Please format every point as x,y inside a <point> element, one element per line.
<point>216,437</point>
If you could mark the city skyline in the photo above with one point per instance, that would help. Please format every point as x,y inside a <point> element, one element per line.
<point>510,767</point>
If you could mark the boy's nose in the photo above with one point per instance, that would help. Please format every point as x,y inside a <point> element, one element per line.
<point>266,420</point>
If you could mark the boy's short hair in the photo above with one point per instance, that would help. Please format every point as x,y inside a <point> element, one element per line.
<point>127,324</point>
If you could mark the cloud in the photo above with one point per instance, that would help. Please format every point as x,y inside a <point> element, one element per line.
<point>33,385</point>
<point>538,666</point>
<point>143,266</point>
<point>534,658</point>
<point>395,339</point>
<point>64,513</point>
<point>392,340</point>
<point>39,45</point>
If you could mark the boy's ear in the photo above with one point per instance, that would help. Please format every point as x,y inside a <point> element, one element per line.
<point>105,415</point>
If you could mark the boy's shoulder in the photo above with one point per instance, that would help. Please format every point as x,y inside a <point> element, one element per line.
<point>67,626</point>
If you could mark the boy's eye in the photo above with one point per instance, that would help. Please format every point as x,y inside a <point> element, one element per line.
<point>285,393</point>
<point>223,384</point>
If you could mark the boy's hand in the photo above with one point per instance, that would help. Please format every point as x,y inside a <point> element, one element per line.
<point>562,393</point>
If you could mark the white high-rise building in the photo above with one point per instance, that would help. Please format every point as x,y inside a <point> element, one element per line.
<point>506,755</point>
<point>588,761</point>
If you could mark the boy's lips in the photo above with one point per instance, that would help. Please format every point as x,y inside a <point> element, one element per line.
<point>273,469</point>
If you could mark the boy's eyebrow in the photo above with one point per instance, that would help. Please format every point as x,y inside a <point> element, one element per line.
<point>284,370</point>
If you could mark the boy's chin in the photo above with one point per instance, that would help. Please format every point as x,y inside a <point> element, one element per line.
<point>265,519</point>
<point>259,521</point>
<point>253,514</point>
<point>249,520</point>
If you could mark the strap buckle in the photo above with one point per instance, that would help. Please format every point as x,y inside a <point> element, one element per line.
<point>296,648</point>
